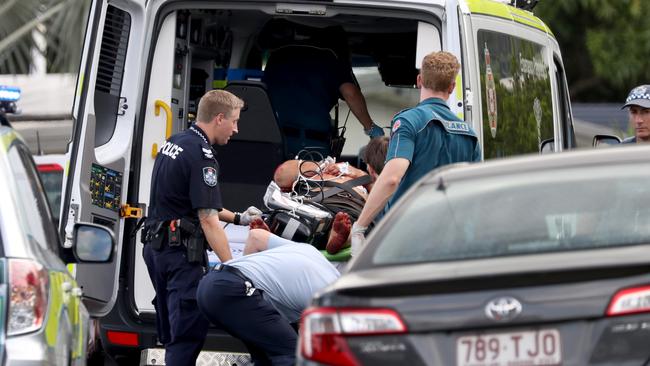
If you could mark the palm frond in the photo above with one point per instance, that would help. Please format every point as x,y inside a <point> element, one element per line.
<point>60,22</point>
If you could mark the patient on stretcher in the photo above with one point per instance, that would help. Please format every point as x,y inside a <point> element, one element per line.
<point>293,172</point>
<point>308,198</point>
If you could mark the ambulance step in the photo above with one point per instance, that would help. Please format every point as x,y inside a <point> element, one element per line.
<point>156,357</point>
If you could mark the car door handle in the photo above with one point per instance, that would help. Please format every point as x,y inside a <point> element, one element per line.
<point>66,287</point>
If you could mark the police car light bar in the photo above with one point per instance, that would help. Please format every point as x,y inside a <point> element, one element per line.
<point>9,93</point>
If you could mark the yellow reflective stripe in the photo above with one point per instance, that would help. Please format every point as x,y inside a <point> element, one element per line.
<point>72,268</point>
<point>7,139</point>
<point>75,319</point>
<point>75,314</point>
<point>54,308</point>
<point>501,10</point>
<point>80,86</point>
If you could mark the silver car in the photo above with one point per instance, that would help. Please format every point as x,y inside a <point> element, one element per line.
<point>42,318</point>
<point>530,261</point>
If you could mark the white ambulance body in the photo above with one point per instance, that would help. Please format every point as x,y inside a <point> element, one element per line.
<point>146,63</point>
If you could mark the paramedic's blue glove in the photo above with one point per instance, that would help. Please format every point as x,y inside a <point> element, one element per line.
<point>374,131</point>
<point>247,216</point>
<point>357,238</point>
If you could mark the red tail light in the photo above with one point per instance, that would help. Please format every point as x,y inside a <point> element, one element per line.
<point>43,168</point>
<point>630,301</point>
<point>122,338</point>
<point>323,331</point>
<point>27,296</point>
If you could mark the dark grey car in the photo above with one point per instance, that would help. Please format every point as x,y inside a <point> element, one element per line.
<point>528,261</point>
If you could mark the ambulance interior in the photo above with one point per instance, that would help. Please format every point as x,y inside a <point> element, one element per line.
<point>196,50</point>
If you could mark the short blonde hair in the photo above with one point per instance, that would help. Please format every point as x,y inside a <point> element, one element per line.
<point>217,101</point>
<point>439,70</point>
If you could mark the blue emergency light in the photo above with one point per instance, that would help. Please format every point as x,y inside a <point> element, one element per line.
<point>9,93</point>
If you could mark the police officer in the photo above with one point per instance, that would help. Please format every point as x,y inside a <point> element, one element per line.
<point>184,213</point>
<point>422,139</point>
<point>257,297</point>
<point>638,104</point>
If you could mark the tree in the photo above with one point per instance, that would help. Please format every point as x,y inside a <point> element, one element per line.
<point>605,45</point>
<point>60,23</point>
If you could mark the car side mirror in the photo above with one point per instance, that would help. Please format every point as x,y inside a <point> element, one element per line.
<point>92,243</point>
<point>547,146</point>
<point>605,140</point>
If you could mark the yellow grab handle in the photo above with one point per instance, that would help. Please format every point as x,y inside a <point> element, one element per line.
<point>168,111</point>
<point>168,131</point>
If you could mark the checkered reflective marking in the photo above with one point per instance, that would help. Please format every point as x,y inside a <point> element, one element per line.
<point>639,93</point>
<point>156,357</point>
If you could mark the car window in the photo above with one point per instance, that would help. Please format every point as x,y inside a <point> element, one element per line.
<point>518,215</point>
<point>34,212</point>
<point>52,178</point>
<point>517,107</point>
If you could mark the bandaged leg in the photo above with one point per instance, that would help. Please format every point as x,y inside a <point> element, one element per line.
<point>339,234</point>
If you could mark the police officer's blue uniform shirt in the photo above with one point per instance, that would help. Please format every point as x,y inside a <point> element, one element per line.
<point>429,136</point>
<point>186,176</point>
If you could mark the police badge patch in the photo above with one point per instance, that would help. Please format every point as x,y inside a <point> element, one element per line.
<point>210,176</point>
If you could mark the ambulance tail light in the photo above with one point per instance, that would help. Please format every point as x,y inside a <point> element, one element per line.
<point>123,338</point>
<point>28,290</point>
<point>323,331</point>
<point>630,301</point>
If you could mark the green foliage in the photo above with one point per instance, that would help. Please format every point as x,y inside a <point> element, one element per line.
<point>605,45</point>
<point>61,23</point>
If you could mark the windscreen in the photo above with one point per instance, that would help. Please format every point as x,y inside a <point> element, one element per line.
<point>551,211</point>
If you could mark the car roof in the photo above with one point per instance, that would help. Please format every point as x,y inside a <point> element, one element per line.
<point>58,159</point>
<point>534,163</point>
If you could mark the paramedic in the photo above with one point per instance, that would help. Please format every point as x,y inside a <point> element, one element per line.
<point>422,139</point>
<point>258,297</point>
<point>638,104</point>
<point>305,81</point>
<point>184,185</point>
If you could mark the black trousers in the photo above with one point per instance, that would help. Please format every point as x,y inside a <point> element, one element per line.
<point>181,326</point>
<point>270,339</point>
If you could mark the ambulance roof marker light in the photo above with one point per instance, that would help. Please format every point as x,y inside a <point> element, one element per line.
<point>527,5</point>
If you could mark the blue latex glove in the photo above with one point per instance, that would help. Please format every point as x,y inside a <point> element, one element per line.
<point>374,131</point>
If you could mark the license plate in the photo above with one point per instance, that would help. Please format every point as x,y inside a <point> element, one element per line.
<point>530,348</point>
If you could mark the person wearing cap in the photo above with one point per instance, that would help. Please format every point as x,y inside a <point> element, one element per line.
<point>638,104</point>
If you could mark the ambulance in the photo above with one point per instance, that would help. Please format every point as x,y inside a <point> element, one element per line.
<point>146,63</point>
